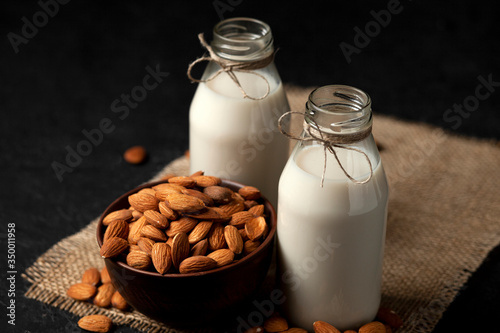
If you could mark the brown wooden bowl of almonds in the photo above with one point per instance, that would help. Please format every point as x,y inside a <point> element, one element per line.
<point>188,251</point>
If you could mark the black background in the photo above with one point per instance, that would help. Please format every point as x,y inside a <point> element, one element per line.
<point>65,77</point>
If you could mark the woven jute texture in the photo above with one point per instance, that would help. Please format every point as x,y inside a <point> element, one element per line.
<point>443,220</point>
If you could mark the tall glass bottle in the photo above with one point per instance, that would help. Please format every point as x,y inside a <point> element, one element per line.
<point>331,229</point>
<point>235,136</point>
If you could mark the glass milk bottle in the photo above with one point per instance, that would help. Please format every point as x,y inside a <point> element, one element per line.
<point>233,116</point>
<point>332,214</point>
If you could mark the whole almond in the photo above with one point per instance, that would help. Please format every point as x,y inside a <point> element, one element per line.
<point>250,203</point>
<point>275,323</point>
<point>146,245</point>
<point>91,276</point>
<point>113,247</point>
<point>143,202</point>
<point>257,210</point>
<point>163,190</point>
<point>180,248</point>
<point>135,229</point>
<point>104,294</point>
<point>197,173</point>
<point>197,264</point>
<point>249,193</point>
<point>81,291</point>
<point>161,255</point>
<point>117,228</point>
<point>256,227</point>
<point>135,155</point>
<point>323,327</point>
<point>232,208</point>
<point>139,260</point>
<point>184,203</point>
<point>153,233</point>
<point>222,257</point>
<point>373,327</point>
<point>211,214</point>
<point>199,232</point>
<point>122,214</point>
<point>233,239</point>
<point>239,219</point>
<point>206,181</point>
<point>169,213</point>
<point>219,194</point>
<point>136,215</point>
<point>389,317</point>
<point>182,181</point>
<point>96,323</point>
<point>148,190</point>
<point>216,239</point>
<point>156,219</point>
<point>250,246</point>
<point>200,248</point>
<point>200,195</point>
<point>105,278</point>
<point>184,224</point>
<point>118,302</point>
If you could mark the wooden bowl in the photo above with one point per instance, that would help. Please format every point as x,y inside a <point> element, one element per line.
<point>194,299</point>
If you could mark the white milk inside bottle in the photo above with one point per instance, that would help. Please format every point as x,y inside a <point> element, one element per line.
<point>232,136</point>
<point>331,237</point>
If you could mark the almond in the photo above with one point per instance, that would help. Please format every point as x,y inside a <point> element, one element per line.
<point>216,239</point>
<point>105,278</point>
<point>184,203</point>
<point>389,317</point>
<point>169,213</point>
<point>249,193</point>
<point>197,264</point>
<point>117,228</point>
<point>222,257</point>
<point>81,291</point>
<point>161,255</point>
<point>324,327</point>
<point>243,234</point>
<point>250,246</point>
<point>138,259</point>
<point>118,302</point>
<point>257,210</point>
<point>153,233</point>
<point>239,219</point>
<point>211,214</point>
<point>135,230</point>
<point>146,245</point>
<point>113,247</point>
<point>219,194</point>
<point>148,190</point>
<point>122,214</point>
<point>143,201</point>
<point>197,173</point>
<point>373,327</point>
<point>182,181</point>
<point>250,203</point>
<point>156,219</point>
<point>104,294</point>
<point>256,227</point>
<point>180,248</point>
<point>199,232</point>
<point>184,224</point>
<point>232,208</point>
<point>136,215</point>
<point>95,323</point>
<point>200,195</point>
<point>163,190</point>
<point>135,155</point>
<point>275,323</point>
<point>206,181</point>
<point>233,239</point>
<point>200,248</point>
<point>91,276</point>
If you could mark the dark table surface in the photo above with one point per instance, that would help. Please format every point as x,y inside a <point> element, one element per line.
<point>65,63</point>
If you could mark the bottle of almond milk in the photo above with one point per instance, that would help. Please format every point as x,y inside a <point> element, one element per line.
<point>233,117</point>
<point>332,212</point>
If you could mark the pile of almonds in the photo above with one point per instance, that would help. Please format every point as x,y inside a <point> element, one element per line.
<point>188,224</point>
<point>387,320</point>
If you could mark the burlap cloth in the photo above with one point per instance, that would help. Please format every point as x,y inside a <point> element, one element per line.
<point>443,221</point>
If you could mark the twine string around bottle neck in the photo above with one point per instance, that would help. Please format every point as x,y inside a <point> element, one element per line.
<point>329,142</point>
<point>230,67</point>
